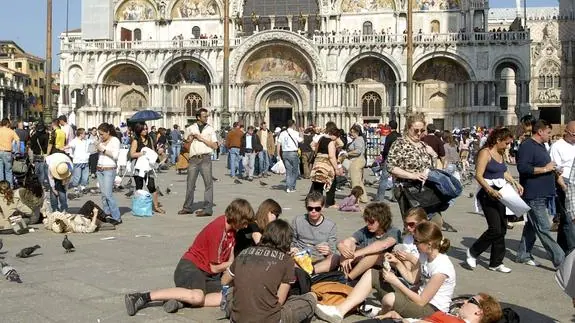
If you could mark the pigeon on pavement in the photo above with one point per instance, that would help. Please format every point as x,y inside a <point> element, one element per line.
<point>67,244</point>
<point>237,181</point>
<point>168,190</point>
<point>26,252</point>
<point>263,183</point>
<point>10,273</point>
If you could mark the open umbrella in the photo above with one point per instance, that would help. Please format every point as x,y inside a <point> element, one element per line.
<point>145,115</point>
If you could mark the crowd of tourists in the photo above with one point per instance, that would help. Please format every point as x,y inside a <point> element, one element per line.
<point>303,270</point>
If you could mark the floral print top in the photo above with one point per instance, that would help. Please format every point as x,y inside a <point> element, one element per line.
<point>408,155</point>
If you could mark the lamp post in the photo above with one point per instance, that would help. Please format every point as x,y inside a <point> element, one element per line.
<point>225,115</point>
<point>409,60</point>
<point>48,66</point>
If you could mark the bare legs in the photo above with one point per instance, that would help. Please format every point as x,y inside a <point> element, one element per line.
<point>194,297</point>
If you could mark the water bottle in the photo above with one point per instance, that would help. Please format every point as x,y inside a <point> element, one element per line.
<point>223,302</point>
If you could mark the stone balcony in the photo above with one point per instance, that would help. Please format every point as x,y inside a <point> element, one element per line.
<point>11,85</point>
<point>325,40</point>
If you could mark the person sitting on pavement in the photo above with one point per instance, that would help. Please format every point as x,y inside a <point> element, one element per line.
<point>365,247</point>
<point>268,211</point>
<point>434,273</point>
<point>13,210</point>
<point>351,202</point>
<point>265,299</point>
<point>197,275</point>
<point>480,308</point>
<point>313,231</point>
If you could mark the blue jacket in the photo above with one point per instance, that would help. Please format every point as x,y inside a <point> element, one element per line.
<point>445,184</point>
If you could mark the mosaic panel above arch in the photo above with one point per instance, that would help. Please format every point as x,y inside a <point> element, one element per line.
<point>437,5</point>
<point>136,10</point>
<point>187,72</point>
<point>441,69</point>
<point>352,6</point>
<point>370,69</point>
<point>185,9</point>
<point>276,61</point>
<point>126,74</point>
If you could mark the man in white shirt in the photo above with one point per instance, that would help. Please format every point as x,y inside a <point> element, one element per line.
<point>563,153</point>
<point>203,142</point>
<point>287,146</point>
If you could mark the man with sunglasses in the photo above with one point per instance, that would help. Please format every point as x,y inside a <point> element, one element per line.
<point>480,308</point>
<point>563,153</point>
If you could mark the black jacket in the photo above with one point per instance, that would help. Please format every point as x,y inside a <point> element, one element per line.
<point>388,141</point>
<point>256,145</point>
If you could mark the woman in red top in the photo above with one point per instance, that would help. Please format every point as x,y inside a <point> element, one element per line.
<point>197,275</point>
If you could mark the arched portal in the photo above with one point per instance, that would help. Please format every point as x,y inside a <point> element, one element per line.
<point>377,81</point>
<point>442,91</point>
<point>187,85</point>
<point>511,92</point>
<point>277,102</point>
<point>130,86</point>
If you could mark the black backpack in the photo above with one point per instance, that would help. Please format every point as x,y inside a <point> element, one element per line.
<point>509,316</point>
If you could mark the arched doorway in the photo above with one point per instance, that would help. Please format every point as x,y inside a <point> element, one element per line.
<point>187,89</point>
<point>511,93</point>
<point>280,106</point>
<point>376,79</point>
<point>130,86</point>
<point>441,91</point>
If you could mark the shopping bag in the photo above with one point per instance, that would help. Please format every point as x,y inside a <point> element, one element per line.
<point>142,204</point>
<point>279,167</point>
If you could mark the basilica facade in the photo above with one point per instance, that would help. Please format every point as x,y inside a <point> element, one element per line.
<point>342,60</point>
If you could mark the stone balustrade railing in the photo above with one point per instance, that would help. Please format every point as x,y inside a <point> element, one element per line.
<point>11,84</point>
<point>103,45</point>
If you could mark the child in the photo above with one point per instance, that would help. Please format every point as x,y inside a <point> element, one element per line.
<point>80,156</point>
<point>197,275</point>
<point>59,173</point>
<point>265,298</point>
<point>365,247</point>
<point>350,203</point>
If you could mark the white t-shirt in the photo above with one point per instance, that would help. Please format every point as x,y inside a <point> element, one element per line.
<point>563,153</point>
<point>81,152</point>
<point>440,265</point>
<point>410,246</point>
<point>289,140</point>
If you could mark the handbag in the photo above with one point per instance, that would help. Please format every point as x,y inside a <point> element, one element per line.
<point>20,166</point>
<point>422,196</point>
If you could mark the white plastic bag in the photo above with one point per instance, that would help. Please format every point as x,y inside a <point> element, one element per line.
<point>279,167</point>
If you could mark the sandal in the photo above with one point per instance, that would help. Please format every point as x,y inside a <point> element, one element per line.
<point>159,210</point>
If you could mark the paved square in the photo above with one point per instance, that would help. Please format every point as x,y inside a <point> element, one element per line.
<point>88,285</point>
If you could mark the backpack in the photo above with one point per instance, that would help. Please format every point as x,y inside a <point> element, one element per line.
<point>510,316</point>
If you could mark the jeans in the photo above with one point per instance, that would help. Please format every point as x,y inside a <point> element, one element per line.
<point>384,184</point>
<point>494,236</point>
<point>41,171</point>
<point>538,226</point>
<point>106,182</point>
<point>452,169</point>
<point>249,161</point>
<point>566,230</point>
<point>58,202</point>
<point>291,162</point>
<point>201,166</point>
<point>264,159</point>
<point>80,175</point>
<point>234,162</point>
<point>6,167</point>
<point>175,152</point>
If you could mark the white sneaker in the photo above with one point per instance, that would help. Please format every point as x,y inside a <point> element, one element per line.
<point>471,261</point>
<point>531,262</point>
<point>328,313</point>
<point>501,268</point>
<point>290,190</point>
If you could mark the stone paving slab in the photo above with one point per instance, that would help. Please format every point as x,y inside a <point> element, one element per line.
<point>88,285</point>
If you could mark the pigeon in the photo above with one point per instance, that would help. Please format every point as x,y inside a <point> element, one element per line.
<point>237,181</point>
<point>263,183</point>
<point>10,273</point>
<point>67,244</point>
<point>26,252</point>
<point>129,194</point>
<point>168,191</point>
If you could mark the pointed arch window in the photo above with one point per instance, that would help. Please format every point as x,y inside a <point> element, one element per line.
<point>367,28</point>
<point>192,103</point>
<point>137,34</point>
<point>371,105</point>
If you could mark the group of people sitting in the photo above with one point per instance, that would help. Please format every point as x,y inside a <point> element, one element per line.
<point>249,264</point>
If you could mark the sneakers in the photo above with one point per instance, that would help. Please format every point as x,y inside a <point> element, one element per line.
<point>501,268</point>
<point>290,190</point>
<point>471,261</point>
<point>134,303</point>
<point>172,306</point>
<point>328,313</point>
<point>530,262</point>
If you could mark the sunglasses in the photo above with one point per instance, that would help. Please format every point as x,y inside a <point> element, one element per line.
<point>314,208</point>
<point>410,224</point>
<point>369,221</point>
<point>473,301</point>
<point>417,131</point>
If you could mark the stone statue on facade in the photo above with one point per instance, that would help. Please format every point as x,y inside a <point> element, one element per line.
<point>162,8</point>
<point>302,21</point>
<point>255,21</point>
<point>239,22</point>
<point>317,22</point>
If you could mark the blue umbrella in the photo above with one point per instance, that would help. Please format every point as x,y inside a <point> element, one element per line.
<point>145,115</point>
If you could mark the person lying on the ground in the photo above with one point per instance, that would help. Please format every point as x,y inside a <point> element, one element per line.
<point>480,308</point>
<point>365,247</point>
<point>198,274</point>
<point>261,276</point>
<point>435,276</point>
<point>313,231</point>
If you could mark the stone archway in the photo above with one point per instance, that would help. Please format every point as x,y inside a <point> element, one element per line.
<point>130,85</point>
<point>276,103</point>
<point>511,89</point>
<point>441,90</point>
